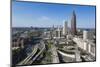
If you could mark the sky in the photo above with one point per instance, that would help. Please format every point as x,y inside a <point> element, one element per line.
<point>26,14</point>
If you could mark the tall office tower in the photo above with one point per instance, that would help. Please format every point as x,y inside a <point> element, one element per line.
<point>65,28</point>
<point>85,35</point>
<point>73,24</point>
<point>59,32</point>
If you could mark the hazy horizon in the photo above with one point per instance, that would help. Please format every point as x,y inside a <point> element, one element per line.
<point>51,27</point>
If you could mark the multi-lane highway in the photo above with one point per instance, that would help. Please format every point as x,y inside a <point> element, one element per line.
<point>54,54</point>
<point>29,57</point>
<point>43,47</point>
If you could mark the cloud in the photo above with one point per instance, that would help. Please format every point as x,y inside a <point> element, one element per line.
<point>44,18</point>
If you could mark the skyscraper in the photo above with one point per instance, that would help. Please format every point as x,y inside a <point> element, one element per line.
<point>65,28</point>
<point>73,24</point>
<point>85,34</point>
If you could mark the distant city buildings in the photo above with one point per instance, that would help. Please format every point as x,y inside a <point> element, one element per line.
<point>64,44</point>
<point>62,32</point>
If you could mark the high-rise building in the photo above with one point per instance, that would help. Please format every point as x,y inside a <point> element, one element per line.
<point>85,34</point>
<point>58,32</point>
<point>65,28</point>
<point>73,24</point>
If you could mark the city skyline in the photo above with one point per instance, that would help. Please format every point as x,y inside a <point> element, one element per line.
<point>26,14</point>
<point>45,33</point>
